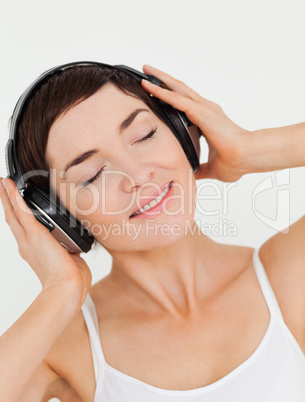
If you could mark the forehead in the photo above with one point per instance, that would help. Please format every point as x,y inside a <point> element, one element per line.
<point>99,115</point>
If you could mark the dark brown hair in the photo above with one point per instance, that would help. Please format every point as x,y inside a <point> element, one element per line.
<point>56,95</point>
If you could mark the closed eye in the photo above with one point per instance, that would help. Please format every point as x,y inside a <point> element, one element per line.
<point>93,178</point>
<point>148,136</point>
<point>100,171</point>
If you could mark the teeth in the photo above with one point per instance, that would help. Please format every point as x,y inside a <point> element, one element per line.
<point>154,202</point>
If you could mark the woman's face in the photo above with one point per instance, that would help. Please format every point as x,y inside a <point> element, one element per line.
<point>131,170</point>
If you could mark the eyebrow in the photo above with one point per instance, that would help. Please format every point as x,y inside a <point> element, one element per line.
<point>86,155</point>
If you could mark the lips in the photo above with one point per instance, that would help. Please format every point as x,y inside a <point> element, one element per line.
<point>148,198</point>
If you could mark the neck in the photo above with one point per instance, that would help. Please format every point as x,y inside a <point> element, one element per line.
<point>172,279</point>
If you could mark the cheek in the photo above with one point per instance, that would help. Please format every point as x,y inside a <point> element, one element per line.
<point>187,189</point>
<point>87,201</point>
<point>169,149</point>
<point>81,203</point>
<point>93,204</point>
<point>178,153</point>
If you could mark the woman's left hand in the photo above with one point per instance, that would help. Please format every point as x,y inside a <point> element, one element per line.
<point>228,143</point>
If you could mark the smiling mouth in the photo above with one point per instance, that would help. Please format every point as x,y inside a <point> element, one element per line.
<point>154,202</point>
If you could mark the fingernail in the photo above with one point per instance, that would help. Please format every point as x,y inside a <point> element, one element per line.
<point>4,184</point>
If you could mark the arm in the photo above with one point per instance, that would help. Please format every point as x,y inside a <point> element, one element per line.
<point>275,148</point>
<point>24,346</point>
<point>46,379</point>
<point>283,254</point>
<point>65,280</point>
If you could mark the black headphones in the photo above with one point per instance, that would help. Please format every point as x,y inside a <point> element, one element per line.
<point>70,233</point>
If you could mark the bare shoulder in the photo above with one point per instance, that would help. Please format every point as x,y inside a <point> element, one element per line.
<point>242,254</point>
<point>283,257</point>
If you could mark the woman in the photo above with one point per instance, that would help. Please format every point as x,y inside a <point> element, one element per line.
<point>179,317</point>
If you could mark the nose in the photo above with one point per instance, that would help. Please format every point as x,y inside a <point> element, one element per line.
<point>137,173</point>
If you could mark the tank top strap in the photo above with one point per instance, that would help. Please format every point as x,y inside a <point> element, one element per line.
<point>265,285</point>
<point>90,316</point>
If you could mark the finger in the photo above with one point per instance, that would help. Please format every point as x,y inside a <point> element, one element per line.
<point>10,216</point>
<point>22,211</point>
<point>175,99</point>
<point>172,83</point>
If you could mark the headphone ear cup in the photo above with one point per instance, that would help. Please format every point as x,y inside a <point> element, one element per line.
<point>186,133</point>
<point>63,226</point>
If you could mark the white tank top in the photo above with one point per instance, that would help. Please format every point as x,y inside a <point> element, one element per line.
<point>275,372</point>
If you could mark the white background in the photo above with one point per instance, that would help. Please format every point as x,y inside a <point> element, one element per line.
<point>247,56</point>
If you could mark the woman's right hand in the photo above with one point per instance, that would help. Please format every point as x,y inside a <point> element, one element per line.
<point>228,158</point>
<point>53,265</point>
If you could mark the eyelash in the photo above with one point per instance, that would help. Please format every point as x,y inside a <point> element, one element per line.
<point>99,173</point>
